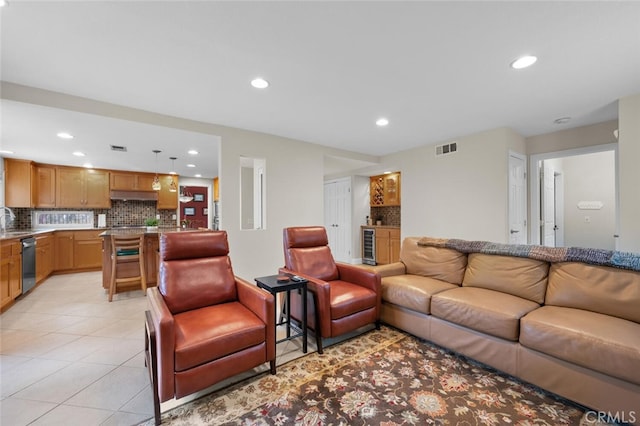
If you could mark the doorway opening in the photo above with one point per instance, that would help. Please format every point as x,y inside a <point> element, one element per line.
<point>574,200</point>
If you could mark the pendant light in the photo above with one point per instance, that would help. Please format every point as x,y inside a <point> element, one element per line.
<point>172,185</point>
<point>156,186</point>
<point>185,197</point>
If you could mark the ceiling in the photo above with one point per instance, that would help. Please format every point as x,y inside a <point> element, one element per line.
<point>436,70</point>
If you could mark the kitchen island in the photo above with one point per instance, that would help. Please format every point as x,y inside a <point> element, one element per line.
<point>151,255</point>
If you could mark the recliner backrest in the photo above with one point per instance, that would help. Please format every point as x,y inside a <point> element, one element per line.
<point>306,250</point>
<point>195,270</point>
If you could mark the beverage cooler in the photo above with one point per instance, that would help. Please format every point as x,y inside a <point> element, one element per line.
<point>369,246</point>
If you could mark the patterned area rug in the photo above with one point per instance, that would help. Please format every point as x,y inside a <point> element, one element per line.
<point>384,378</point>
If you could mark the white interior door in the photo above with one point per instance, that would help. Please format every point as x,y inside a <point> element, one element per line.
<point>337,218</point>
<point>548,207</point>
<point>517,200</point>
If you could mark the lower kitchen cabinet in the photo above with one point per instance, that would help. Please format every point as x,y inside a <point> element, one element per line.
<point>44,256</point>
<point>10,271</point>
<point>87,249</point>
<point>79,250</point>
<point>387,245</point>
<point>151,256</point>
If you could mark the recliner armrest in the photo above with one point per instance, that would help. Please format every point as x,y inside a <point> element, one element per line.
<point>360,276</point>
<point>165,342</point>
<point>261,303</point>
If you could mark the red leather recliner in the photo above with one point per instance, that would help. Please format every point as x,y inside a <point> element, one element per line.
<point>347,297</point>
<point>204,324</point>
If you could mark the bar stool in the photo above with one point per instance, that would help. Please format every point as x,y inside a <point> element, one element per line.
<point>126,250</point>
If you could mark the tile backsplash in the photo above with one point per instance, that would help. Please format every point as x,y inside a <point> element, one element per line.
<point>390,216</point>
<point>121,213</point>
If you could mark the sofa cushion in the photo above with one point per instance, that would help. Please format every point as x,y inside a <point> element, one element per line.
<point>600,342</point>
<point>209,333</point>
<point>412,291</point>
<point>487,311</point>
<point>436,262</point>
<point>602,289</point>
<point>522,277</point>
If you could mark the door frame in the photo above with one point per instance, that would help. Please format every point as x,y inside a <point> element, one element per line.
<point>534,184</point>
<point>526,196</point>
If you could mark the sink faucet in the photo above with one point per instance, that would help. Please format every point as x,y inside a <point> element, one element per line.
<point>3,217</point>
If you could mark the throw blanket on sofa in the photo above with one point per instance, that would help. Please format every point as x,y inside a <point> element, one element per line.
<point>616,259</point>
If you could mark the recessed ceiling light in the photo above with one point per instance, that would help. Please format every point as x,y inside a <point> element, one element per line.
<point>259,83</point>
<point>4,151</point>
<point>382,122</point>
<point>191,165</point>
<point>192,152</point>
<point>78,154</point>
<point>65,135</point>
<point>198,175</point>
<point>4,3</point>
<point>562,120</point>
<point>523,62</point>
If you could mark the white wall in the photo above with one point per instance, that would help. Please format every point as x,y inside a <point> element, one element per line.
<point>361,209</point>
<point>629,173</point>
<point>462,195</point>
<point>589,177</point>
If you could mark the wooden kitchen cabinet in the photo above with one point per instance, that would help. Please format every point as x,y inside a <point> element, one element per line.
<point>87,249</point>
<point>44,256</point>
<point>126,181</point>
<point>63,255</point>
<point>45,186</point>
<point>151,246</point>
<point>167,200</point>
<point>82,188</point>
<point>19,187</point>
<point>385,190</point>
<point>10,271</point>
<point>79,250</point>
<point>387,245</point>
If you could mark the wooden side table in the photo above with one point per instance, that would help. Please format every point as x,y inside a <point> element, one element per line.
<point>270,283</point>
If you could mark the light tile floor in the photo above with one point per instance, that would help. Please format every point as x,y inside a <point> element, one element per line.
<point>69,357</point>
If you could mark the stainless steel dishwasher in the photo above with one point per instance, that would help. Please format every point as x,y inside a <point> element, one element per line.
<point>28,264</point>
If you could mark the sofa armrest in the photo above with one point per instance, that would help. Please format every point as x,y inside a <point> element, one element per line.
<point>390,269</point>
<point>165,342</point>
<point>321,289</point>
<point>261,303</point>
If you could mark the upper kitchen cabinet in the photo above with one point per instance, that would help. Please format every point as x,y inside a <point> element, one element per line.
<point>125,181</point>
<point>385,190</point>
<point>45,186</point>
<point>82,188</point>
<point>20,187</point>
<point>167,199</point>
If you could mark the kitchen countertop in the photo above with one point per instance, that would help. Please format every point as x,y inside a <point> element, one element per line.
<point>143,230</point>
<point>380,226</point>
<point>23,233</point>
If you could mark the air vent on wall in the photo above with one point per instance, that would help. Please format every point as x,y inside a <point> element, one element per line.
<point>447,148</point>
<point>118,148</point>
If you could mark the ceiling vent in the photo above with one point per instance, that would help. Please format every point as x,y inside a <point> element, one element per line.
<point>118,148</point>
<point>446,149</point>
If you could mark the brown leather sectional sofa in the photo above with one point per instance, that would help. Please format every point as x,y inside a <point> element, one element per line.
<point>568,326</point>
